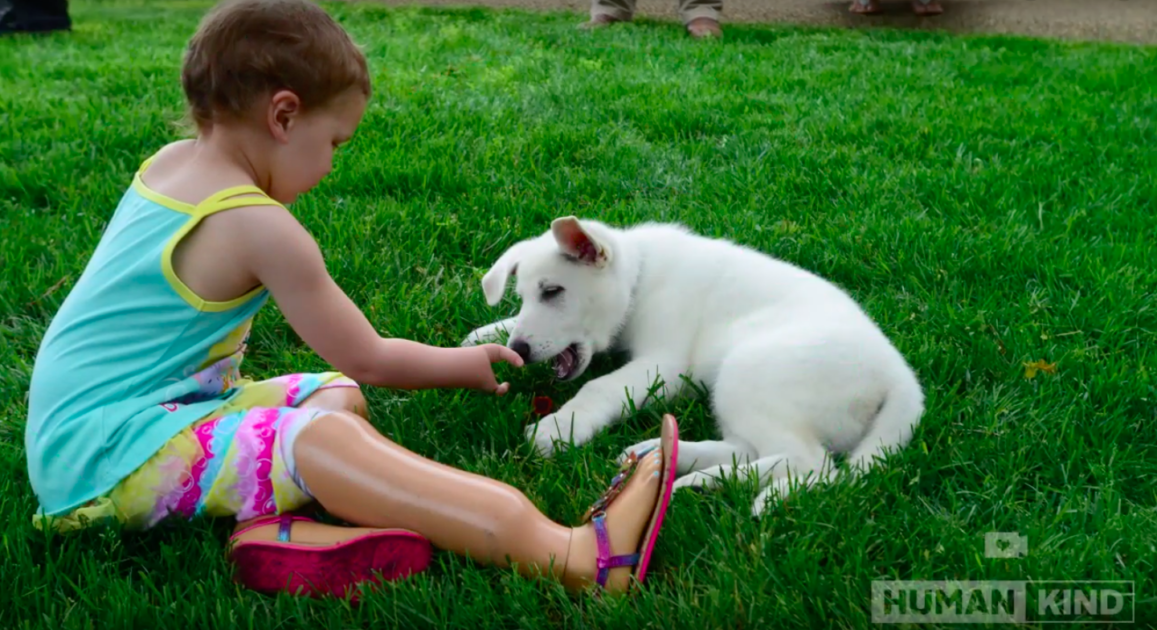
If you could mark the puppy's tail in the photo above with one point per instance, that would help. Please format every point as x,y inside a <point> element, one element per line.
<point>892,427</point>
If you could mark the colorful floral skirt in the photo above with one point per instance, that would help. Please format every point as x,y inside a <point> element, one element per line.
<point>236,462</point>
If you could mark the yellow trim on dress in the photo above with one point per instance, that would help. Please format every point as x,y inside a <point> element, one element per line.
<point>227,199</point>
<point>154,196</point>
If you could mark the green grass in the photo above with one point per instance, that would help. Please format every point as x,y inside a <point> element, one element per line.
<point>990,201</point>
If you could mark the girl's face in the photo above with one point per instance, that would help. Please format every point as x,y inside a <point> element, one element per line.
<point>306,141</point>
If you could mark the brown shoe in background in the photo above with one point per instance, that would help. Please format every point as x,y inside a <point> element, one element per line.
<point>865,7</point>
<point>927,7</point>
<point>600,21</point>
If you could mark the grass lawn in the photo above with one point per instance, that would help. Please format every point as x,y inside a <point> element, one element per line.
<point>990,201</point>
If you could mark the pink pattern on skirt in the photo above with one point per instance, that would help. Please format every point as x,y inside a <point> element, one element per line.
<point>291,389</point>
<point>255,463</point>
<point>188,505</point>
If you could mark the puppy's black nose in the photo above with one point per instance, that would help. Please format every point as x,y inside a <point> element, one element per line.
<point>522,349</point>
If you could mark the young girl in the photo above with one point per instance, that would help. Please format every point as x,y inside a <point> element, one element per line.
<point>137,408</point>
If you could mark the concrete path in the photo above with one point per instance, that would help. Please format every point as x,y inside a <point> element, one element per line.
<point>1130,21</point>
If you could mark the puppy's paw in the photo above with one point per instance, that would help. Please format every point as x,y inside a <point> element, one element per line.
<point>477,337</point>
<point>546,432</point>
<point>774,493</point>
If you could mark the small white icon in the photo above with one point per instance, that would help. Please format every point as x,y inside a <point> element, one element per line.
<point>1005,545</point>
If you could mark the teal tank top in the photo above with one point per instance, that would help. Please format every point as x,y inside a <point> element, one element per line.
<point>133,356</point>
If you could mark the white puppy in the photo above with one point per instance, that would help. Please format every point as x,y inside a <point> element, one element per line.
<point>794,366</point>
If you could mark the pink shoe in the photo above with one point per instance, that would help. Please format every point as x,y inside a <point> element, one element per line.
<point>271,567</point>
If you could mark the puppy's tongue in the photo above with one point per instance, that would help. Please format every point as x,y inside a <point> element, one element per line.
<point>564,363</point>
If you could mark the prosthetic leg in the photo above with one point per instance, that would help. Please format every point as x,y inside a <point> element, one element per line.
<point>359,475</point>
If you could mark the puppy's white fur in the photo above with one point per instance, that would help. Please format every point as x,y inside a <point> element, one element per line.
<point>795,368</point>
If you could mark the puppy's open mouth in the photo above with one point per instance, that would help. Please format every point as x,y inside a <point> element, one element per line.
<point>566,362</point>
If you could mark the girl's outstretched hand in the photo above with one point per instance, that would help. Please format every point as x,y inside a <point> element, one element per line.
<point>495,353</point>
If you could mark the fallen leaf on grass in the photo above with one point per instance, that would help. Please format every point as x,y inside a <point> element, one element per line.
<point>1031,369</point>
<point>51,290</point>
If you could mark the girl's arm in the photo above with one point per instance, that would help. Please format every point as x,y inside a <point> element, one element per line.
<point>284,258</point>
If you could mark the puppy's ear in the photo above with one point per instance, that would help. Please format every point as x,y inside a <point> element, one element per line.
<point>494,282</point>
<point>578,243</point>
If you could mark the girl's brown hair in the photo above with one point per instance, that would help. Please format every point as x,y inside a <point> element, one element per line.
<point>247,49</point>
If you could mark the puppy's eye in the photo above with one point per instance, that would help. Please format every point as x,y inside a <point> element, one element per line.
<point>549,293</point>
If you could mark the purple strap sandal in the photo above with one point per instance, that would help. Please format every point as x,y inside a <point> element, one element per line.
<point>597,514</point>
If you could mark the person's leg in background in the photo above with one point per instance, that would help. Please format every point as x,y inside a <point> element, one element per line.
<point>605,12</point>
<point>700,17</point>
<point>919,7</point>
<point>927,7</point>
